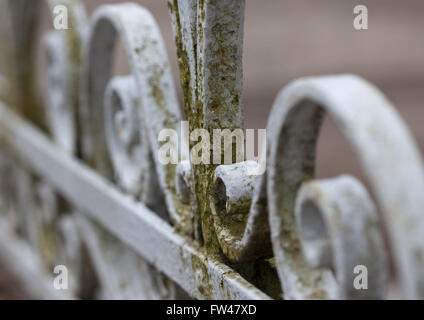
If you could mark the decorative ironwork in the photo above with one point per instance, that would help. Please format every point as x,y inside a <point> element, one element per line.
<point>97,193</point>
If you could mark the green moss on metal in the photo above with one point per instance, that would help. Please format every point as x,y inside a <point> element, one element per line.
<point>183,61</point>
<point>203,279</point>
<point>216,105</point>
<point>263,274</point>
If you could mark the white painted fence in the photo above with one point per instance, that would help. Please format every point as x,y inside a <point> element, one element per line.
<point>90,192</point>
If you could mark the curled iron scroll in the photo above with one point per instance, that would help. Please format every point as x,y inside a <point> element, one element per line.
<point>127,143</point>
<point>158,103</point>
<point>338,229</point>
<point>383,145</point>
<point>123,117</point>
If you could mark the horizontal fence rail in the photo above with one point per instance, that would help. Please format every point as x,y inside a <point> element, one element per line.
<point>84,179</point>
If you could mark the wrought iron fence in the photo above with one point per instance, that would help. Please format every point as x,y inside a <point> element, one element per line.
<point>88,190</point>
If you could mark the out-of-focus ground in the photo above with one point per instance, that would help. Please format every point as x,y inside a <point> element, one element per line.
<point>288,39</point>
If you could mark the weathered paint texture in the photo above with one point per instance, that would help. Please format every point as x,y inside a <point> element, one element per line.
<point>209,40</point>
<point>218,232</point>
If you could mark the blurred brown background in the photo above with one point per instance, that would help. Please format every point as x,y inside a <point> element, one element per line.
<point>288,39</point>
